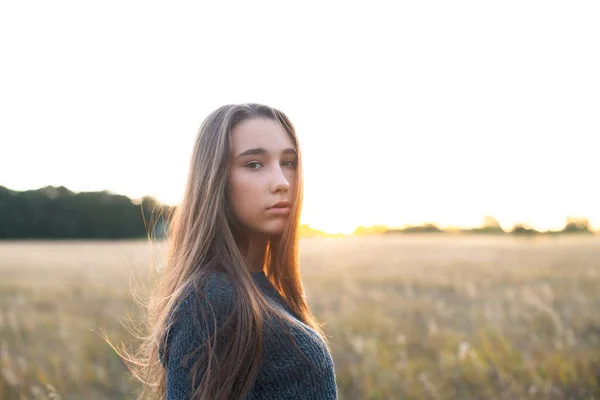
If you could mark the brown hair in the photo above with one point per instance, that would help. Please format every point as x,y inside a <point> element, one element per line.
<point>201,240</point>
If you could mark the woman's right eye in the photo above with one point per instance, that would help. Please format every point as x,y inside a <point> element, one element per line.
<point>253,165</point>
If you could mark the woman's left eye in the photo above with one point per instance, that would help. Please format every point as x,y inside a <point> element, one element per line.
<point>289,163</point>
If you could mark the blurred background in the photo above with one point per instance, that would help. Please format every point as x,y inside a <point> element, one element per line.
<point>451,216</point>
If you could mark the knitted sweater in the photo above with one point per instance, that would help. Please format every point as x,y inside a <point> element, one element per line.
<point>283,374</point>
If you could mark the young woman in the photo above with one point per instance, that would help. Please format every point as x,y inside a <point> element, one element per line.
<point>230,319</point>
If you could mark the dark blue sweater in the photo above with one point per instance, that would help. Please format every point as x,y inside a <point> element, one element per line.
<point>284,373</point>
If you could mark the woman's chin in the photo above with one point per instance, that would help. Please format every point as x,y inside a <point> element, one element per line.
<point>273,229</point>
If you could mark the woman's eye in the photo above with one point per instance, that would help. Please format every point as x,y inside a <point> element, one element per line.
<point>253,165</point>
<point>289,163</point>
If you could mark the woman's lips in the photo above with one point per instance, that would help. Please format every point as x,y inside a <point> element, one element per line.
<point>280,204</point>
<point>279,210</point>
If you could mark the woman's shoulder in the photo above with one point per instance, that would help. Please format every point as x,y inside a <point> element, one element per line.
<point>215,290</point>
<point>212,303</point>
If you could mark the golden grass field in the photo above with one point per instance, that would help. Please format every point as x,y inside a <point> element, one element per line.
<point>409,317</point>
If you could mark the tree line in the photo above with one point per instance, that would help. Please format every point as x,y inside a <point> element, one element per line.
<point>573,225</point>
<point>58,213</point>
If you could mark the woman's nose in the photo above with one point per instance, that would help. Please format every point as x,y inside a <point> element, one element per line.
<point>280,182</point>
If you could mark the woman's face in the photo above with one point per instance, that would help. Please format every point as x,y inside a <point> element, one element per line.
<point>262,174</point>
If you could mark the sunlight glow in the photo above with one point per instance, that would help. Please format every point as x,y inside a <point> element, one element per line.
<point>406,113</point>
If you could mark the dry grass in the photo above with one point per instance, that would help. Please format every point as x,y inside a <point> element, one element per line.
<point>429,317</point>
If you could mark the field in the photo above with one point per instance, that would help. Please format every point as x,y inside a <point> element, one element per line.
<point>409,317</point>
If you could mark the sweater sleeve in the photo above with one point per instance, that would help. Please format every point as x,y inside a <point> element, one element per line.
<point>185,336</point>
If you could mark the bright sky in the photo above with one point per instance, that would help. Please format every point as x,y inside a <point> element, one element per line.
<point>407,112</point>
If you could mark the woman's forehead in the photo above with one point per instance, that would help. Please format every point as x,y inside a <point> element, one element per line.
<point>264,134</point>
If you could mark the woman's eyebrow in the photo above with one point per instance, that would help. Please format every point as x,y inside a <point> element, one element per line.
<point>260,151</point>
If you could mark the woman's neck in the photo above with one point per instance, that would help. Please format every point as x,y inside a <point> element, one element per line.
<point>254,252</point>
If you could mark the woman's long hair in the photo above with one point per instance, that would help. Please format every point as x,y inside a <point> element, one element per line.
<point>202,239</point>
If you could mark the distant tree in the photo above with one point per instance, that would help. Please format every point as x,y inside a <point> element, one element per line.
<point>520,229</point>
<point>489,225</point>
<point>56,212</point>
<point>156,216</point>
<point>577,225</point>
<point>426,228</point>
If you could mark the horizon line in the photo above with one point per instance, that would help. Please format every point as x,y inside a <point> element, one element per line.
<point>383,226</point>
